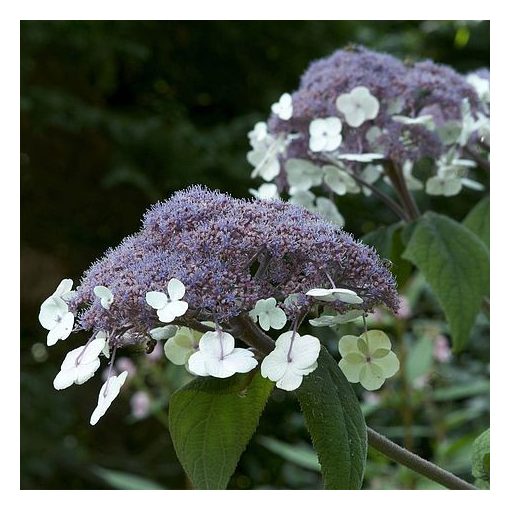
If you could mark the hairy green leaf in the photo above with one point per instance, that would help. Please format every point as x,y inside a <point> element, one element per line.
<point>337,427</point>
<point>481,460</point>
<point>455,264</point>
<point>211,422</point>
<point>478,220</point>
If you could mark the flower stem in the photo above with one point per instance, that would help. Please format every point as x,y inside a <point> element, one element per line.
<point>412,461</point>
<point>392,205</point>
<point>394,173</point>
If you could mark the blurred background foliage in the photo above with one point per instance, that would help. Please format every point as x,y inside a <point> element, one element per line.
<point>117,115</point>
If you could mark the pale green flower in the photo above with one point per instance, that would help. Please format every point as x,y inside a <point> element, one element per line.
<point>182,345</point>
<point>367,359</point>
<point>339,180</point>
<point>339,318</point>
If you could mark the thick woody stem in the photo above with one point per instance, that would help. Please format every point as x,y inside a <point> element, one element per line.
<point>245,329</point>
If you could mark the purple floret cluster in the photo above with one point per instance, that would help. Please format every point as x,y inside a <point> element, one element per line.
<point>228,253</point>
<point>406,89</point>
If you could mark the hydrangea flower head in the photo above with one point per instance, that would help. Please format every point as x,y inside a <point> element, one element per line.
<point>227,254</point>
<point>357,107</point>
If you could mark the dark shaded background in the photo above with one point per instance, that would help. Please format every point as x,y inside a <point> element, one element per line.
<point>116,115</point>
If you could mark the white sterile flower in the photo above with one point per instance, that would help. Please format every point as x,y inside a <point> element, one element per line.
<point>367,359</point>
<point>264,157</point>
<point>105,295</point>
<point>268,314</point>
<point>481,86</point>
<point>303,198</point>
<point>182,345</point>
<point>81,363</point>
<point>451,175</point>
<point>423,120</point>
<point>266,191</point>
<point>283,108</point>
<point>445,186</point>
<point>358,106</point>
<point>63,290</point>
<point>344,295</point>
<point>412,182</point>
<point>107,394</point>
<point>217,356</point>
<point>339,318</point>
<point>325,134</point>
<point>469,124</point>
<point>163,333</point>
<point>168,307</point>
<point>362,158</point>
<point>339,180</point>
<point>293,357</point>
<point>327,209</point>
<point>258,134</point>
<point>55,316</point>
<point>302,175</point>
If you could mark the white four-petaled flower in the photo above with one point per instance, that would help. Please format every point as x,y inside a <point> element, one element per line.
<point>329,295</point>
<point>268,314</point>
<point>358,106</point>
<point>283,108</point>
<point>81,363</point>
<point>217,356</point>
<point>105,295</point>
<point>107,394</point>
<point>171,306</point>
<point>325,134</point>
<point>55,316</point>
<point>293,357</point>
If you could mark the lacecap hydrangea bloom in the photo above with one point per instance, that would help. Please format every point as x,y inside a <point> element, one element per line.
<point>230,269</point>
<point>363,115</point>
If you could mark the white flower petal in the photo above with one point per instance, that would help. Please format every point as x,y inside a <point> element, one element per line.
<point>156,300</point>
<point>52,310</point>
<point>317,143</point>
<point>274,365</point>
<point>64,287</point>
<point>196,364</point>
<point>290,381</point>
<point>64,379</point>
<point>264,321</point>
<point>305,351</point>
<point>240,361</point>
<point>278,318</point>
<point>176,289</point>
<point>85,372</point>
<point>112,387</point>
